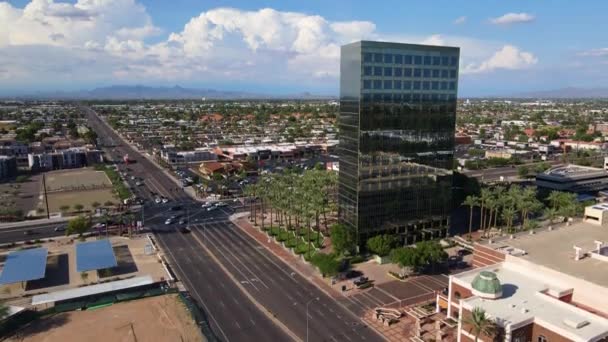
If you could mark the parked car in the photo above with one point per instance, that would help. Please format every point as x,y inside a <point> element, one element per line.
<point>211,208</point>
<point>157,200</point>
<point>462,252</point>
<point>182,221</point>
<point>220,204</point>
<point>165,200</point>
<point>169,221</point>
<point>360,281</point>
<point>206,205</point>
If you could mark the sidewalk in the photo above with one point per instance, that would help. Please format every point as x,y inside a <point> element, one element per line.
<point>305,270</point>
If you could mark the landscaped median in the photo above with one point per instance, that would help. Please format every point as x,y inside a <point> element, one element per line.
<point>119,186</point>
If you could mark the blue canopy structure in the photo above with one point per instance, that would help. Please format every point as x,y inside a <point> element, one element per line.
<point>94,255</point>
<point>25,265</point>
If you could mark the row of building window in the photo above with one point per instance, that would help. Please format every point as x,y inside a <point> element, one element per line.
<point>408,72</point>
<point>389,58</point>
<point>407,85</point>
<point>415,97</point>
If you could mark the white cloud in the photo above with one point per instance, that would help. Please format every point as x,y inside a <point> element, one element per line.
<point>105,40</point>
<point>460,20</point>
<point>600,52</point>
<point>508,57</point>
<point>513,18</point>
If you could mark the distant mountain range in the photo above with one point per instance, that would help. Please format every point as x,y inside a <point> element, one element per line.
<point>565,93</point>
<point>137,92</point>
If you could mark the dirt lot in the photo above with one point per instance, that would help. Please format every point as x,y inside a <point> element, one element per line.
<point>85,198</point>
<point>70,179</point>
<point>158,319</point>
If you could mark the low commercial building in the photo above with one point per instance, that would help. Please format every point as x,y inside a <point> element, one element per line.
<point>597,214</point>
<point>573,178</point>
<point>186,157</point>
<point>548,286</point>
<point>8,167</point>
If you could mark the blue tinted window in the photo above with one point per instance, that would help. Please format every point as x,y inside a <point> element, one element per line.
<point>426,85</point>
<point>378,57</point>
<point>435,85</point>
<point>367,97</point>
<point>396,97</point>
<point>418,60</point>
<point>377,84</point>
<point>398,72</point>
<point>388,58</point>
<point>453,61</point>
<point>377,97</point>
<point>452,73</point>
<point>398,59</point>
<point>387,97</point>
<point>434,97</point>
<point>407,72</point>
<point>415,97</point>
<point>427,60</point>
<point>367,71</point>
<point>444,85</point>
<point>388,84</point>
<point>397,84</point>
<point>367,57</point>
<point>416,85</point>
<point>417,72</point>
<point>407,97</point>
<point>452,97</point>
<point>444,74</point>
<point>367,84</point>
<point>426,97</point>
<point>445,60</point>
<point>436,60</point>
<point>407,85</point>
<point>427,72</point>
<point>452,85</point>
<point>407,59</point>
<point>388,71</point>
<point>377,71</point>
<point>436,73</point>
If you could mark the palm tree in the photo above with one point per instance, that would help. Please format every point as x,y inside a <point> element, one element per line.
<point>508,214</point>
<point>551,213</point>
<point>471,201</point>
<point>485,195</point>
<point>480,323</point>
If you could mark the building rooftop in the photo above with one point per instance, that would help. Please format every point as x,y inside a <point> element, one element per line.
<point>555,249</point>
<point>571,172</point>
<point>524,299</point>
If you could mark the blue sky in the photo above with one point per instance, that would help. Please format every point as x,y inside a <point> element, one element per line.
<point>293,46</point>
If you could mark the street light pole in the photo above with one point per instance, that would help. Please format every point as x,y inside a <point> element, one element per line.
<point>307,304</point>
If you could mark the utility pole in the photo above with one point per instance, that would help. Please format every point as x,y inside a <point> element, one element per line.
<point>46,199</point>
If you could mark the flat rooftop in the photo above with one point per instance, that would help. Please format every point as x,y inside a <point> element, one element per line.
<point>554,249</point>
<point>571,172</point>
<point>523,300</point>
<point>24,265</point>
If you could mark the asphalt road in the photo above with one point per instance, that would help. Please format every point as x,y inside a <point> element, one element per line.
<point>39,231</point>
<point>233,316</point>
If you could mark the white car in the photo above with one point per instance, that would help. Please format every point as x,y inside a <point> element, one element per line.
<point>157,200</point>
<point>206,205</point>
<point>165,200</point>
<point>220,204</point>
<point>169,221</point>
<point>211,208</point>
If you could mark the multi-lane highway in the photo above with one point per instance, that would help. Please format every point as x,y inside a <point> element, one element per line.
<point>247,292</point>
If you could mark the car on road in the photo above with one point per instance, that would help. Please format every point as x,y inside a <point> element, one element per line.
<point>206,205</point>
<point>157,200</point>
<point>60,228</point>
<point>220,204</point>
<point>212,208</point>
<point>139,183</point>
<point>28,232</point>
<point>182,221</point>
<point>165,200</point>
<point>169,221</point>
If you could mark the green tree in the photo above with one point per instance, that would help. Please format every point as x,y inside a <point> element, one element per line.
<point>328,264</point>
<point>406,257</point>
<point>381,244</point>
<point>4,310</point>
<point>64,208</point>
<point>341,239</point>
<point>431,253</point>
<point>78,207</point>
<point>480,324</point>
<point>78,225</point>
<point>523,171</point>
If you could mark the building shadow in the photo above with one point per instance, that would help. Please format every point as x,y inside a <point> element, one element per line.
<point>124,261</point>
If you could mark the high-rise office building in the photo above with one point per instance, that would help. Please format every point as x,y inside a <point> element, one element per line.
<point>397,122</point>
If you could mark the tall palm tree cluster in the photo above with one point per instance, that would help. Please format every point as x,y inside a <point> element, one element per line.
<point>501,207</point>
<point>293,201</point>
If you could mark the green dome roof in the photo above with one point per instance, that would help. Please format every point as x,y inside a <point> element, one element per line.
<point>487,285</point>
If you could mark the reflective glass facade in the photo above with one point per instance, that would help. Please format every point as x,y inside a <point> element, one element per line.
<point>397,122</point>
